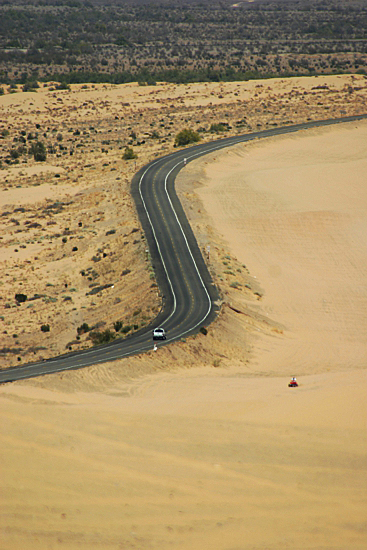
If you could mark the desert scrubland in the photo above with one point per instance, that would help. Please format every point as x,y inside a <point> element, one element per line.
<point>202,444</point>
<point>179,41</point>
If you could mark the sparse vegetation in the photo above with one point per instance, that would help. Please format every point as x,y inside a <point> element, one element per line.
<point>45,328</point>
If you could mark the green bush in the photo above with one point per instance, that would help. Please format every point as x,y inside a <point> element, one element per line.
<point>217,128</point>
<point>30,86</point>
<point>83,328</point>
<point>21,298</point>
<point>45,328</point>
<point>117,325</point>
<point>14,153</point>
<point>102,337</point>
<point>235,284</point>
<point>129,153</point>
<point>186,136</point>
<point>62,86</point>
<point>38,150</point>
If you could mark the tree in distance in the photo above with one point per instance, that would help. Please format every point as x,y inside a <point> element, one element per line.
<point>186,136</point>
<point>38,150</point>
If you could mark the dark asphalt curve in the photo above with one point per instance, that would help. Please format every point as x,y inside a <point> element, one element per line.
<point>188,293</point>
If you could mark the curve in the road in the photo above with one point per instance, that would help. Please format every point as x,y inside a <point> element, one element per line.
<point>188,293</point>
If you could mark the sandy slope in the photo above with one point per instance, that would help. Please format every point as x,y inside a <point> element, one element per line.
<point>295,210</point>
<point>145,453</point>
<point>187,460</point>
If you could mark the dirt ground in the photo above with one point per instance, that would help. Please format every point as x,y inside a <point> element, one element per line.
<point>202,444</point>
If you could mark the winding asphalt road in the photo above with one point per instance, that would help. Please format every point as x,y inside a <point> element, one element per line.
<point>189,294</point>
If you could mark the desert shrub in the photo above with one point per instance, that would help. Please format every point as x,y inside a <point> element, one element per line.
<point>186,136</point>
<point>129,153</point>
<point>62,86</point>
<point>2,91</point>
<point>117,325</point>
<point>5,132</point>
<point>45,328</point>
<point>38,150</point>
<point>217,128</point>
<point>14,153</point>
<point>126,329</point>
<point>235,284</point>
<point>21,297</point>
<point>102,337</point>
<point>204,331</point>
<point>83,328</point>
<point>30,86</point>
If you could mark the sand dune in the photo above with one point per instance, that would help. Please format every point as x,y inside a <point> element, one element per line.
<point>294,209</point>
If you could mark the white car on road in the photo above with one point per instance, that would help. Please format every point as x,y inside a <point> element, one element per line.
<point>159,334</point>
